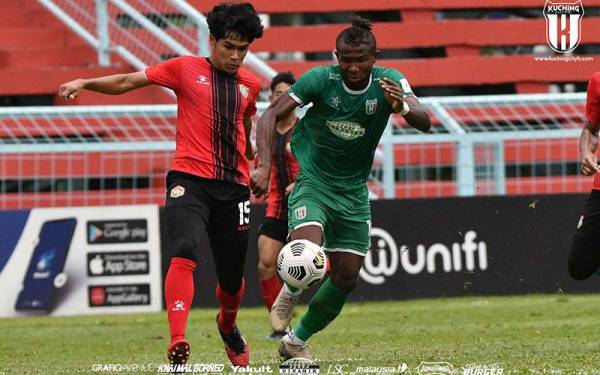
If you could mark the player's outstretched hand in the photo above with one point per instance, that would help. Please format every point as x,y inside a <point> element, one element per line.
<point>70,90</point>
<point>589,164</point>
<point>259,181</point>
<point>393,93</point>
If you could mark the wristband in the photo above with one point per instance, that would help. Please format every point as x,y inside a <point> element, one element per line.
<point>405,108</point>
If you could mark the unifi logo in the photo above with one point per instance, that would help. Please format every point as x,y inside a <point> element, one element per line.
<point>470,255</point>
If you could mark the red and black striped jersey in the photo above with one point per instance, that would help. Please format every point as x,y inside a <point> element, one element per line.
<point>284,169</point>
<point>592,111</point>
<point>212,104</point>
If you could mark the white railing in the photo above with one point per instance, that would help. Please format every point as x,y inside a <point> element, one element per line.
<point>515,144</point>
<point>142,33</point>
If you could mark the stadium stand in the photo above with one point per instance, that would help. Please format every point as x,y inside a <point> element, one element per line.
<point>38,52</point>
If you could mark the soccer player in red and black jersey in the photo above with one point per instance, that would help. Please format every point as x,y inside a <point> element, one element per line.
<point>273,232</point>
<point>584,259</point>
<point>207,186</point>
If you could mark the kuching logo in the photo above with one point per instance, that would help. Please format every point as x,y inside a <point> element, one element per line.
<point>563,25</point>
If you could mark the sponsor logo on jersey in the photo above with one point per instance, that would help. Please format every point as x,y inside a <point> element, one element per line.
<point>177,191</point>
<point>563,25</point>
<point>370,106</point>
<point>244,90</point>
<point>334,76</point>
<point>202,79</point>
<point>346,130</point>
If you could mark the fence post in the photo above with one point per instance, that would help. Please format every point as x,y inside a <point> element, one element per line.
<point>103,35</point>
<point>499,166</point>
<point>389,189</point>
<point>465,168</point>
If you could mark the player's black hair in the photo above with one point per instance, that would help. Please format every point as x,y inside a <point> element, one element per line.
<point>359,33</point>
<point>287,77</point>
<point>234,18</point>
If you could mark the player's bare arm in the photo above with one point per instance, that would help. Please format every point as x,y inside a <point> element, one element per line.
<point>588,142</point>
<point>250,149</point>
<point>113,85</point>
<point>265,133</point>
<point>417,115</point>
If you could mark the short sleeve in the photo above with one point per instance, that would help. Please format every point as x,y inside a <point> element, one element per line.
<point>251,108</point>
<point>308,87</point>
<point>166,74</point>
<point>592,104</point>
<point>399,78</point>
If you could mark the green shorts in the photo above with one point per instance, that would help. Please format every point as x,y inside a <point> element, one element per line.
<point>344,216</point>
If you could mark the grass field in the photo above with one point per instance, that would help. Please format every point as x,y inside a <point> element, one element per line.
<point>543,334</point>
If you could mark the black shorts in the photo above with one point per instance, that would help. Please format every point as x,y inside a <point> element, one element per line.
<point>223,207</point>
<point>275,229</point>
<point>584,258</point>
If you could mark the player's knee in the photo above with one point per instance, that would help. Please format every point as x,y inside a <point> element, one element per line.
<point>345,280</point>
<point>266,268</point>
<point>184,248</point>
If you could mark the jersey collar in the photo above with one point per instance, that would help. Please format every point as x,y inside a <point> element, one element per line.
<point>358,92</point>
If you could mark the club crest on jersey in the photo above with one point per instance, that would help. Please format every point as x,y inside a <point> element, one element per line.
<point>300,212</point>
<point>370,106</point>
<point>563,25</point>
<point>244,90</point>
<point>177,191</point>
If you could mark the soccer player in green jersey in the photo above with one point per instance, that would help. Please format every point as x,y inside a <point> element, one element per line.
<point>334,145</point>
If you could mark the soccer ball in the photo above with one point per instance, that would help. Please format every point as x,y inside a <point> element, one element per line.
<point>301,263</point>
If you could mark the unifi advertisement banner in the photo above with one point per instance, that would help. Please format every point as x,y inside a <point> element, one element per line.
<point>445,247</point>
<point>84,260</point>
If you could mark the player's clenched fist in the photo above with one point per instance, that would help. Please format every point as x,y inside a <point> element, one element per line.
<point>259,181</point>
<point>70,90</point>
<point>589,164</point>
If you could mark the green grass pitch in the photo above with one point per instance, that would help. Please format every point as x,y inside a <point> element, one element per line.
<point>540,334</point>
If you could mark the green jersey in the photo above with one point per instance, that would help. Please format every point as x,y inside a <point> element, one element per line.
<point>335,141</point>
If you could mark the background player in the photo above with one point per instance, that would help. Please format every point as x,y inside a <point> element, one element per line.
<point>584,258</point>
<point>334,144</point>
<point>207,186</point>
<point>273,232</point>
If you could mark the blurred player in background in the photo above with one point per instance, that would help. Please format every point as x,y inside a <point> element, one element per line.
<point>334,144</point>
<point>207,186</point>
<point>273,232</point>
<point>584,258</point>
